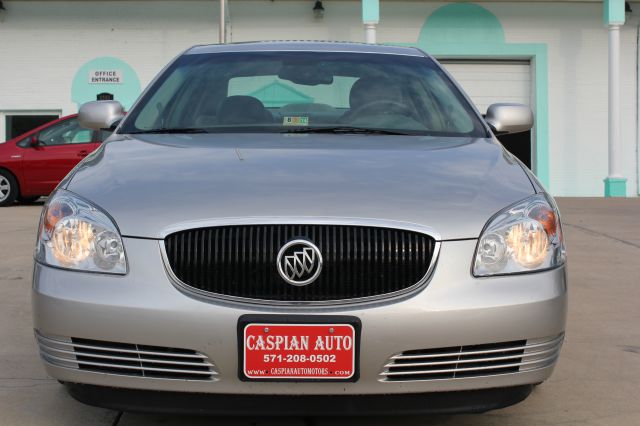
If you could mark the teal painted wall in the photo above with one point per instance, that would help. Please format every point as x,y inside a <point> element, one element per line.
<point>465,23</point>
<point>125,92</point>
<point>371,11</point>
<point>277,94</point>
<point>469,31</point>
<point>613,12</point>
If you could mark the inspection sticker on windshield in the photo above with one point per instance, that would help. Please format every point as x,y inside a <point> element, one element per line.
<point>299,351</point>
<point>295,121</point>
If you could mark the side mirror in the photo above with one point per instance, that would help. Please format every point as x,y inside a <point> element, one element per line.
<point>509,118</point>
<point>98,115</point>
<point>34,141</point>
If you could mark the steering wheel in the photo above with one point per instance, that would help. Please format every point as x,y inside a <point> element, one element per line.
<point>390,106</point>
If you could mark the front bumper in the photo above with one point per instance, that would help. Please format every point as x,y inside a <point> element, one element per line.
<point>145,308</point>
<point>134,400</point>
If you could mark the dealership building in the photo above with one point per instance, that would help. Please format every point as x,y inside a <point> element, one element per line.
<point>556,56</point>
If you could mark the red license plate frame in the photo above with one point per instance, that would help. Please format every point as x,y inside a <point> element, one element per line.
<point>298,348</point>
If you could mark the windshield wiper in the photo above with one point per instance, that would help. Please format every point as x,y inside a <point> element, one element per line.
<point>172,130</point>
<point>354,130</point>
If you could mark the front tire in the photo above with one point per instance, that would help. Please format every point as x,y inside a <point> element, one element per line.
<point>8,188</point>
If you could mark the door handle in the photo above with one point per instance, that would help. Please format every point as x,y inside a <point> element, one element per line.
<point>83,153</point>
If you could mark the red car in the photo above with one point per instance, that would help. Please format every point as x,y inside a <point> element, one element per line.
<point>32,164</point>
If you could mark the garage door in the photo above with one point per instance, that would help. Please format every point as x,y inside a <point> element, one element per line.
<point>489,82</point>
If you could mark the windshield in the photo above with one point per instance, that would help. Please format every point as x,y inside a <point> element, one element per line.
<point>285,92</point>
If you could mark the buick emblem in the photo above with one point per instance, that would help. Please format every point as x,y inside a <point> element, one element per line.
<point>299,262</point>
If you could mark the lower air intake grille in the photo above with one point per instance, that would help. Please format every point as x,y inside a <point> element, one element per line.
<point>126,359</point>
<point>472,361</point>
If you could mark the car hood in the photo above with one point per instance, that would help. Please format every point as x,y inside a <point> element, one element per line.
<point>152,184</point>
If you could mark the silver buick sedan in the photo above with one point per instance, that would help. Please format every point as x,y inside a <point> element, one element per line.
<point>301,228</point>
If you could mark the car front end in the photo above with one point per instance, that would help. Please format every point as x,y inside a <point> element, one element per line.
<point>294,273</point>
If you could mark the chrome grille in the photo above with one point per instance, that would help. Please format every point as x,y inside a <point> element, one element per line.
<point>472,361</point>
<point>126,359</point>
<point>358,261</point>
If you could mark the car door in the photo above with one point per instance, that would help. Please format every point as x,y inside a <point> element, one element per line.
<point>60,147</point>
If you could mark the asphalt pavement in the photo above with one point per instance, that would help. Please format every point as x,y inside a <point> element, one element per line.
<point>596,382</point>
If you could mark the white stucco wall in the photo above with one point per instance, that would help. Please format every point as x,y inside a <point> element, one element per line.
<point>577,64</point>
<point>578,90</point>
<point>43,44</point>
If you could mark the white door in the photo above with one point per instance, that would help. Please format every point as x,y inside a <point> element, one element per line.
<point>489,82</point>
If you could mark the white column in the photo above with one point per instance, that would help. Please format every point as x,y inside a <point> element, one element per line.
<point>370,19</point>
<point>3,129</point>
<point>370,33</point>
<point>615,184</point>
<point>638,111</point>
<point>222,34</point>
<point>614,102</point>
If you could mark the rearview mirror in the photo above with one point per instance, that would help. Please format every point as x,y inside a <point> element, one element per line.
<point>509,118</point>
<point>98,115</point>
<point>305,74</point>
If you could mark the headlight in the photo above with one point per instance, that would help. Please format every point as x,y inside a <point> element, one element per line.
<point>74,234</point>
<point>524,237</point>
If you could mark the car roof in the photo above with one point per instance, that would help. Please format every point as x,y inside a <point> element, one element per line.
<point>307,46</point>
